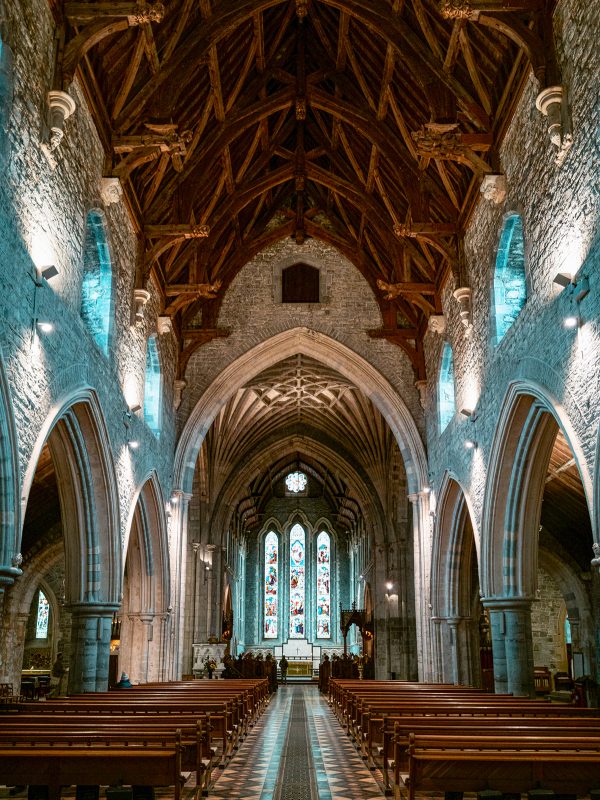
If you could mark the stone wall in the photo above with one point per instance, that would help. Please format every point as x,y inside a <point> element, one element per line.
<point>547,623</point>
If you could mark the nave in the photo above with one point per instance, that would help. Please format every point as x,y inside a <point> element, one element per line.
<point>296,751</point>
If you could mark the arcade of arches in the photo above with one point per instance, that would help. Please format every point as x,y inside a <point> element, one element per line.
<point>299,318</point>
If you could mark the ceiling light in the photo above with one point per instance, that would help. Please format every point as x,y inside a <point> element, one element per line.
<point>470,444</point>
<point>45,327</point>
<point>570,322</point>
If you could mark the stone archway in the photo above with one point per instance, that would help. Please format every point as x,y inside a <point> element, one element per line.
<point>145,618</point>
<point>455,591</point>
<point>365,377</point>
<point>77,441</point>
<point>530,425</point>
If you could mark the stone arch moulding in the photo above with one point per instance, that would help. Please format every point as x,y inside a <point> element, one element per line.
<point>150,502</point>
<point>526,428</point>
<point>453,509</point>
<point>322,348</point>
<point>79,444</point>
<point>10,508</point>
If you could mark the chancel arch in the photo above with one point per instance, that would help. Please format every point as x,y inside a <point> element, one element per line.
<point>538,485</point>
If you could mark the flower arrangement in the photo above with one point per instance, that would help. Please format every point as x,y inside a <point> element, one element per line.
<point>210,665</point>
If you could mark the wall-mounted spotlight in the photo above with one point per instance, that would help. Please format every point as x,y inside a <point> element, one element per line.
<point>470,444</point>
<point>580,288</point>
<point>134,409</point>
<point>134,445</point>
<point>563,279</point>
<point>469,413</point>
<point>49,272</point>
<point>571,322</point>
<point>45,327</point>
<point>426,489</point>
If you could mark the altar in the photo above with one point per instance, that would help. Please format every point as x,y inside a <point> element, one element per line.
<point>303,657</point>
<point>300,669</point>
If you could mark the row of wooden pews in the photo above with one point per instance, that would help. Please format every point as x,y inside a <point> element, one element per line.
<point>454,739</point>
<point>147,735</point>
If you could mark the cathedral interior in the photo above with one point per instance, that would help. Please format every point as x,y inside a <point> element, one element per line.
<point>300,344</point>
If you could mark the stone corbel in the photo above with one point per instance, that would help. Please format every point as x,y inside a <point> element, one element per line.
<point>164,325</point>
<point>552,102</point>
<point>596,560</point>
<point>178,387</point>
<point>437,324</point>
<point>111,191</point>
<point>463,296</point>
<point>60,107</point>
<point>493,188</point>
<point>140,298</point>
<point>421,386</point>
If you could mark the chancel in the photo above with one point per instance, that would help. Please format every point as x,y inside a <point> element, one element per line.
<point>299,381</point>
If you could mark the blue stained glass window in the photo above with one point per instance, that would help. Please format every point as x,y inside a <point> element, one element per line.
<point>96,289</point>
<point>446,402</point>
<point>271,585</point>
<point>43,615</point>
<point>297,582</point>
<point>152,387</point>
<point>323,586</point>
<point>510,288</point>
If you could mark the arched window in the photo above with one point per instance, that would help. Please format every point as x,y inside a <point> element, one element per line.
<point>297,582</point>
<point>323,586</point>
<point>271,585</point>
<point>96,290</point>
<point>152,387</point>
<point>510,289</point>
<point>446,404</point>
<point>43,616</point>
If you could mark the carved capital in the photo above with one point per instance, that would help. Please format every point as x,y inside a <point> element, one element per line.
<point>595,562</point>
<point>463,296</point>
<point>437,323</point>
<point>493,188</point>
<point>140,298</point>
<point>146,13</point>
<point>301,9</point>
<point>164,325</point>
<point>111,191</point>
<point>178,387</point>
<point>438,140</point>
<point>552,103</point>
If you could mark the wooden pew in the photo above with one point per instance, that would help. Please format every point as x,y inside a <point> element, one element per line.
<point>509,764</point>
<point>56,761</point>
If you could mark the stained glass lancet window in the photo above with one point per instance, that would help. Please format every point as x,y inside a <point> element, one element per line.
<point>271,585</point>
<point>323,586</point>
<point>297,582</point>
<point>152,387</point>
<point>43,613</point>
<point>296,482</point>
<point>96,289</point>
<point>446,402</point>
<point>510,288</point>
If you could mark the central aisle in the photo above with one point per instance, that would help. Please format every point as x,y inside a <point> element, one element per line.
<point>297,751</point>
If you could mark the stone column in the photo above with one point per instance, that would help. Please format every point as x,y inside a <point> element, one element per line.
<point>90,646</point>
<point>12,643</point>
<point>460,638</point>
<point>178,535</point>
<point>512,645</point>
<point>422,535</point>
<point>436,647</point>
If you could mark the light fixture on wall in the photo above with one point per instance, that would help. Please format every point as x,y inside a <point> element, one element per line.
<point>468,413</point>
<point>44,327</point>
<point>48,272</point>
<point>580,287</point>
<point>571,322</point>
<point>470,444</point>
<point>134,444</point>
<point>389,586</point>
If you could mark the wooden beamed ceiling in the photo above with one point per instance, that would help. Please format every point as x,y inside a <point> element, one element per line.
<point>367,124</point>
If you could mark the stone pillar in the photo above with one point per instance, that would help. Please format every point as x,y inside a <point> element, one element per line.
<point>178,535</point>
<point>90,646</point>
<point>436,647</point>
<point>12,643</point>
<point>512,645</point>
<point>460,640</point>
<point>422,536</point>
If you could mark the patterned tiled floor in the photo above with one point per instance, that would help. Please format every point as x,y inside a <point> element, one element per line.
<point>297,751</point>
